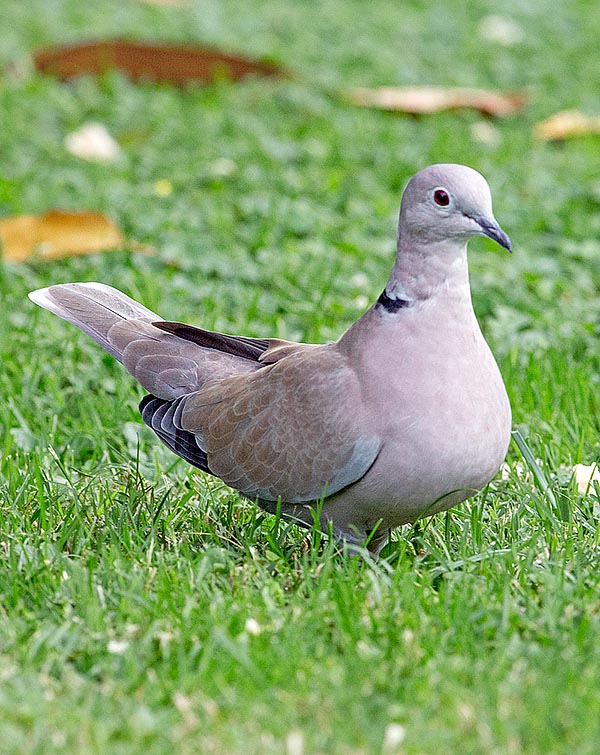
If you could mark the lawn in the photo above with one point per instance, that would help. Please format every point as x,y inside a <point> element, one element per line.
<point>145,608</point>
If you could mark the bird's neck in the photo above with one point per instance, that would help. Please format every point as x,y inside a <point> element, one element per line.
<point>423,282</point>
<point>420,274</point>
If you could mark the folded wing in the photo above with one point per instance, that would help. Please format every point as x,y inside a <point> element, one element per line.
<point>271,418</point>
<point>294,430</point>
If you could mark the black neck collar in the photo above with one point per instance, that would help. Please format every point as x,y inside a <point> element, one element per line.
<point>392,304</point>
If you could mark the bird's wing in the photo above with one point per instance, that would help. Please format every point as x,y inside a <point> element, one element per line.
<point>263,350</point>
<point>271,418</point>
<point>239,346</point>
<point>295,430</point>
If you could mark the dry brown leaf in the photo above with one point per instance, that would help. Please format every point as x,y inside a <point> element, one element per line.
<point>430,99</point>
<point>57,233</point>
<point>566,124</point>
<point>167,63</point>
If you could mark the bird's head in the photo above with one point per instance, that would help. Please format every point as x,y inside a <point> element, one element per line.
<point>445,201</point>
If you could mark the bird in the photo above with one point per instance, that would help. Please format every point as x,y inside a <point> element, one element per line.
<point>404,416</point>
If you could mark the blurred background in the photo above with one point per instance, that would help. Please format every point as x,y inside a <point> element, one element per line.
<point>147,608</point>
<point>268,205</point>
<point>271,204</point>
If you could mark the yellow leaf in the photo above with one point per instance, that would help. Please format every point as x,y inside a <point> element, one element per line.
<point>566,124</point>
<point>430,99</point>
<point>57,233</point>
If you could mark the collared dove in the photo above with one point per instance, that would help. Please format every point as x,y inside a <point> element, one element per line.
<point>404,416</point>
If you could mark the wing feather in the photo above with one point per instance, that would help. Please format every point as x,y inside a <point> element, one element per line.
<point>293,430</point>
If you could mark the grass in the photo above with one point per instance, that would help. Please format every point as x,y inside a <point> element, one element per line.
<point>144,608</point>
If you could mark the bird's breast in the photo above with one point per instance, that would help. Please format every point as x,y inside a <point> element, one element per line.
<point>443,413</point>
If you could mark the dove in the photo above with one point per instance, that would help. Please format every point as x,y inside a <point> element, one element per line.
<point>404,416</point>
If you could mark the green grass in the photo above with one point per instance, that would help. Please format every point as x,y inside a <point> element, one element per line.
<point>145,608</point>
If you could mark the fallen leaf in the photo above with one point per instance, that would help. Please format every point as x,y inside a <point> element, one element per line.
<point>93,142</point>
<point>166,63</point>
<point>567,124</point>
<point>431,99</point>
<point>57,233</point>
<point>585,477</point>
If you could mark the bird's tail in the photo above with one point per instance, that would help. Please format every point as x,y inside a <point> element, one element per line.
<point>168,359</point>
<point>94,308</point>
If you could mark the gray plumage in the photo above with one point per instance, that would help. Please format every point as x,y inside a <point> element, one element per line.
<point>405,415</point>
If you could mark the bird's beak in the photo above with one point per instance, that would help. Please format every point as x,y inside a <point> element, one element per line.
<point>491,229</point>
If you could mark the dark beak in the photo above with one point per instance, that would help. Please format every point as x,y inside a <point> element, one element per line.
<point>491,229</point>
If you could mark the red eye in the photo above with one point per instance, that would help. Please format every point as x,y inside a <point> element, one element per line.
<point>441,197</point>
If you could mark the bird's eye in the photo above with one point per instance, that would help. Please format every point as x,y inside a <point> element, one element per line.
<point>441,197</point>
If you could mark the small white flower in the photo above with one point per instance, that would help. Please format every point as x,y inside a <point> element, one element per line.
<point>117,647</point>
<point>393,737</point>
<point>93,142</point>
<point>294,743</point>
<point>253,627</point>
